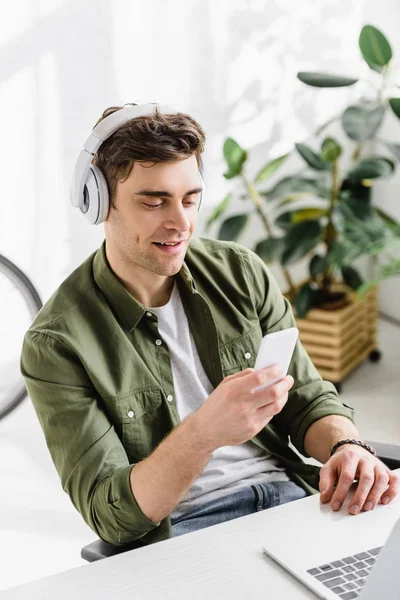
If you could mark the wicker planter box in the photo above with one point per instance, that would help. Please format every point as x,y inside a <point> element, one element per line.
<point>339,340</point>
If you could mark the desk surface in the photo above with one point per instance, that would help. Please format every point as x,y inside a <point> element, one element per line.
<point>224,561</point>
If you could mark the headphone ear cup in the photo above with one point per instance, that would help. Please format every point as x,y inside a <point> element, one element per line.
<point>96,201</point>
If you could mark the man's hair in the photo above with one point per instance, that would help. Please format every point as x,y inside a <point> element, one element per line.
<point>155,138</point>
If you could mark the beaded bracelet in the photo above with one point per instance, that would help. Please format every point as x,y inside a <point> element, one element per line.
<point>357,442</point>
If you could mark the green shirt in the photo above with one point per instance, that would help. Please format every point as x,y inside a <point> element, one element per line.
<point>99,375</point>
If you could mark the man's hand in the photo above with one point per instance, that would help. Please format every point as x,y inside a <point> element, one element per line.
<point>236,411</point>
<point>232,414</point>
<point>376,483</point>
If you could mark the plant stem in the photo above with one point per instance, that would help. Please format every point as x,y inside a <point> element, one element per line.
<point>330,231</point>
<point>357,152</point>
<point>381,90</point>
<point>255,196</point>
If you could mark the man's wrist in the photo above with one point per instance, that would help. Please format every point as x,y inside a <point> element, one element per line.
<point>352,441</point>
<point>198,433</point>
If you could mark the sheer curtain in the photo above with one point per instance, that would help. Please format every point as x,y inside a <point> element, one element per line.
<point>232,65</point>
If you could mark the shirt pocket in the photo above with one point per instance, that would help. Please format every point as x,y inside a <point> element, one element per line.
<point>138,420</point>
<point>241,353</point>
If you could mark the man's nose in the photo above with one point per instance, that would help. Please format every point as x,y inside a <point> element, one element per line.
<point>178,219</point>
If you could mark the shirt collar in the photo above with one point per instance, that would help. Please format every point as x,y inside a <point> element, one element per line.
<point>129,310</point>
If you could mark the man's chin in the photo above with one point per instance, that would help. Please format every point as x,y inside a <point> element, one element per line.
<point>169,269</point>
<point>169,265</point>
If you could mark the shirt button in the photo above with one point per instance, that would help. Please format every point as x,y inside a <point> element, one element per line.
<point>158,342</point>
<point>148,314</point>
<point>170,398</point>
<point>131,414</point>
<point>247,355</point>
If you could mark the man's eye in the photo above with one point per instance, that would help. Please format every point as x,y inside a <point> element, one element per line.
<point>152,205</point>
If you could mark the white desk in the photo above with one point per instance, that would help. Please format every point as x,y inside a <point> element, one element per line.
<point>221,562</point>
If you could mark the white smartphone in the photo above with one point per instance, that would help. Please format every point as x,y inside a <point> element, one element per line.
<point>276,349</point>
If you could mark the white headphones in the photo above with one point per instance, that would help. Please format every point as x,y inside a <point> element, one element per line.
<point>89,191</point>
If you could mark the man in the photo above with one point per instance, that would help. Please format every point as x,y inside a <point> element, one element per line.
<point>140,365</point>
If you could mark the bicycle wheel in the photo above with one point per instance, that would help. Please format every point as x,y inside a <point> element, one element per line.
<point>20,303</point>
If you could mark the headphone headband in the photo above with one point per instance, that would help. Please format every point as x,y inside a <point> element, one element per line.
<point>100,133</point>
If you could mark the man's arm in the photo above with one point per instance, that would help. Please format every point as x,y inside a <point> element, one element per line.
<point>86,450</point>
<point>323,434</point>
<point>160,481</point>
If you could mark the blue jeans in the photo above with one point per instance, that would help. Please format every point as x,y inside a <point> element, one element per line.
<point>243,502</point>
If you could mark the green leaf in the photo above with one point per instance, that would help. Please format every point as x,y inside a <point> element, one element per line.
<point>361,124</point>
<point>330,150</point>
<point>308,214</point>
<point>304,299</point>
<point>270,249</point>
<point>391,270</point>
<point>312,158</point>
<point>365,287</point>
<point>337,254</point>
<point>317,265</point>
<point>218,210</point>
<point>294,185</point>
<point>232,227</point>
<point>325,80</point>
<point>369,237</point>
<point>351,277</point>
<point>371,168</point>
<point>357,197</point>
<point>270,168</point>
<point>235,157</point>
<point>395,106</point>
<point>299,240</point>
<point>286,220</point>
<point>374,46</point>
<point>394,149</point>
<point>376,68</point>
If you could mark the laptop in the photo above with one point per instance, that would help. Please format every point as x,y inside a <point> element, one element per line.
<point>353,557</point>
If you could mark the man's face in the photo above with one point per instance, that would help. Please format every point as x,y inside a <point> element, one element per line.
<point>156,204</point>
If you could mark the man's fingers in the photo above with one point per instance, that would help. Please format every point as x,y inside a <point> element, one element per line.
<point>274,394</point>
<point>392,490</point>
<point>239,374</point>
<point>263,377</point>
<point>256,378</point>
<point>270,409</point>
<point>346,475</point>
<point>381,474</point>
<point>327,480</point>
<point>367,482</point>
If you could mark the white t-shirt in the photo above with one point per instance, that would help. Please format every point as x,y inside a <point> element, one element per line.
<point>230,468</point>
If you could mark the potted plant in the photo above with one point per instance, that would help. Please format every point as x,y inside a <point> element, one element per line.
<point>325,211</point>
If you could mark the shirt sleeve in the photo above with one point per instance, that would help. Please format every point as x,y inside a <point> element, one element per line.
<point>85,448</point>
<point>310,398</point>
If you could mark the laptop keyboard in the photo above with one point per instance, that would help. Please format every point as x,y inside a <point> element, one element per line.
<point>347,576</point>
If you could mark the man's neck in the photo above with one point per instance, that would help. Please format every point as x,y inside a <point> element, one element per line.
<point>148,288</point>
<point>154,297</point>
